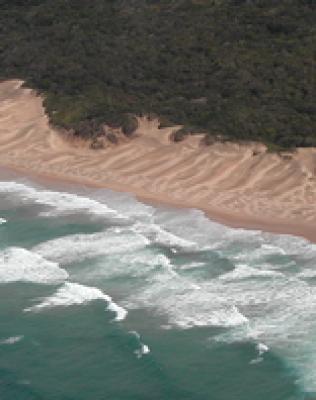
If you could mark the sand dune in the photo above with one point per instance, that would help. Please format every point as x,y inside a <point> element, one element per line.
<point>241,185</point>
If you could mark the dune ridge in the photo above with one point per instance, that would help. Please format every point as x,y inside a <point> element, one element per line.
<point>238,184</point>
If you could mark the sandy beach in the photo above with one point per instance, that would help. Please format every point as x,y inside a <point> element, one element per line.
<point>240,185</point>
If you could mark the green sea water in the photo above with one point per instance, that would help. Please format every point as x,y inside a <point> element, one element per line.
<point>103,297</point>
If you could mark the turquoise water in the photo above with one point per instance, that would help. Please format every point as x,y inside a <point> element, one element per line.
<point>103,297</point>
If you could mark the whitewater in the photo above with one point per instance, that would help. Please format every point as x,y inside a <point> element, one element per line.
<point>102,295</point>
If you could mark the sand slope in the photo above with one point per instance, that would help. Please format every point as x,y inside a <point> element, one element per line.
<point>240,184</point>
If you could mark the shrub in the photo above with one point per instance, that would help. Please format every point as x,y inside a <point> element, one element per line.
<point>242,68</point>
<point>129,125</point>
<point>112,138</point>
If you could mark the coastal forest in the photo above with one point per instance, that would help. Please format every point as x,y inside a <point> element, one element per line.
<point>234,69</point>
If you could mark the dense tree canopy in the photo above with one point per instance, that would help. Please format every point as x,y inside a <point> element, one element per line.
<point>242,69</point>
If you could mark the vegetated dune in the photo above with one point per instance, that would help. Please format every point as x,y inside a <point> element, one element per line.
<point>240,184</point>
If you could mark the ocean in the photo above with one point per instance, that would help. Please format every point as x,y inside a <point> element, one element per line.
<point>104,297</point>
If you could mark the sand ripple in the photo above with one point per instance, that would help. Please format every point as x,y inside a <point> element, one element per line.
<point>235,183</point>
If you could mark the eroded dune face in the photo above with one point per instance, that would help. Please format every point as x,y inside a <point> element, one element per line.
<point>229,178</point>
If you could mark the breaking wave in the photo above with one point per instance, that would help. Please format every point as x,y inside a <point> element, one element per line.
<point>142,349</point>
<point>11,340</point>
<point>59,202</point>
<point>74,294</point>
<point>78,247</point>
<point>20,265</point>
<point>263,290</point>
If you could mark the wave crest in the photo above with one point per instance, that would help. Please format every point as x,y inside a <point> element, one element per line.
<point>20,265</point>
<point>74,294</point>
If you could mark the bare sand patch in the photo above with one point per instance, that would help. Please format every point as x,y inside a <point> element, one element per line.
<point>237,184</point>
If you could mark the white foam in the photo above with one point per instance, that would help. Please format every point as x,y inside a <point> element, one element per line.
<point>11,340</point>
<point>120,312</point>
<point>186,304</point>
<point>146,259</point>
<point>125,203</point>
<point>78,247</point>
<point>17,264</point>
<point>74,294</point>
<point>243,271</point>
<point>192,265</point>
<point>272,249</point>
<point>2,221</point>
<point>60,202</point>
<point>281,314</point>
<point>262,348</point>
<point>137,264</point>
<point>143,348</point>
<point>224,316</point>
<point>259,253</point>
<point>278,311</point>
<point>193,225</point>
<point>292,245</point>
<point>256,360</point>
<point>307,274</point>
<point>156,234</point>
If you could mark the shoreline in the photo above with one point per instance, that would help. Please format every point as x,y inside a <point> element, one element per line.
<point>230,220</point>
<point>238,185</point>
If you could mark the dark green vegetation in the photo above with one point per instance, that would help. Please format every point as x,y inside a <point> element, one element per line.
<point>243,69</point>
